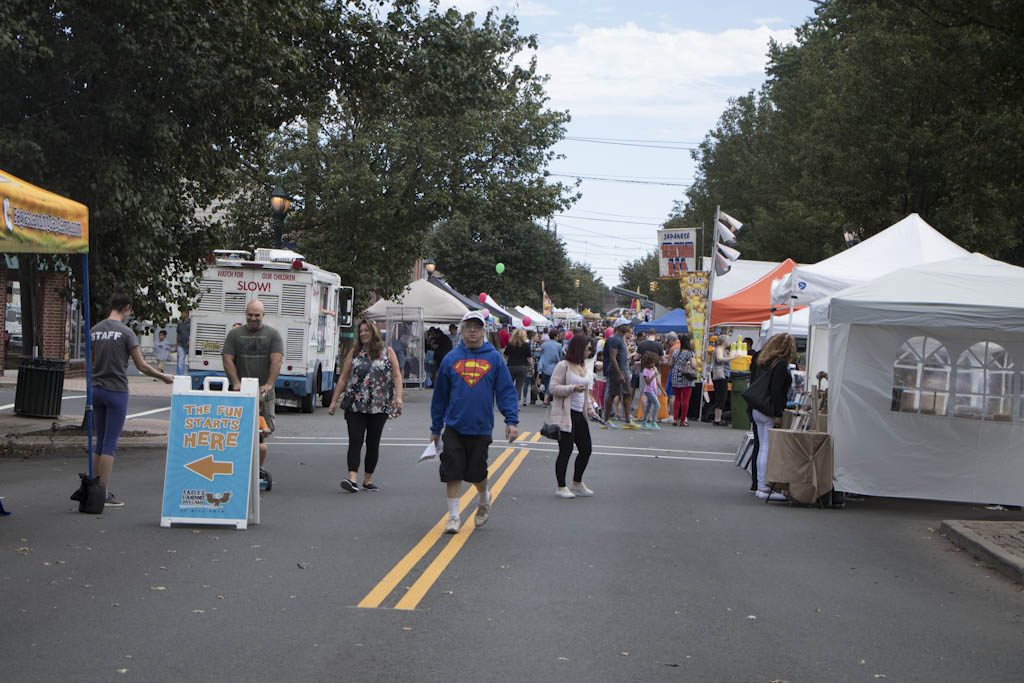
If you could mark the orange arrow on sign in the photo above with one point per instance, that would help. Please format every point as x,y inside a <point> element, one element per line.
<point>208,468</point>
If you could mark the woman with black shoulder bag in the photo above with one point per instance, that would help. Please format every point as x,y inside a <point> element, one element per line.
<point>571,406</point>
<point>371,380</point>
<point>767,394</point>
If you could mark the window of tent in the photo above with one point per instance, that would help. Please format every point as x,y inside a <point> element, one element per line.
<point>984,383</point>
<point>921,378</point>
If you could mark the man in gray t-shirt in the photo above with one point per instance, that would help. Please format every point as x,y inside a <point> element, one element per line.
<point>112,344</point>
<point>255,350</point>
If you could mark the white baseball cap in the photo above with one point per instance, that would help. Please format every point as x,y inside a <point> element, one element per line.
<point>619,322</point>
<point>475,315</point>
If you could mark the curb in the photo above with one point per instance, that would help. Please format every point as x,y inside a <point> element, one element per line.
<point>984,549</point>
<point>14,446</point>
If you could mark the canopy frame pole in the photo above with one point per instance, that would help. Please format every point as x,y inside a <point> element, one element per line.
<point>88,357</point>
<point>707,314</point>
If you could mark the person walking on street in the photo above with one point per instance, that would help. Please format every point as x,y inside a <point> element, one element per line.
<point>183,333</point>
<point>550,354</point>
<point>255,350</point>
<point>471,378</point>
<point>571,407</point>
<point>113,343</point>
<point>161,350</point>
<point>650,379</point>
<point>684,374</point>
<point>616,373</point>
<point>520,362</point>
<point>371,380</point>
<point>775,357</point>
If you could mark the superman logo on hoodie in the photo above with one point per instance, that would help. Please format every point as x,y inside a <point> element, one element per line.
<point>472,370</point>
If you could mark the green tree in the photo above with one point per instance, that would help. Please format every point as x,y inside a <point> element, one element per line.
<point>590,290</point>
<point>142,110</point>
<point>467,251</point>
<point>432,119</point>
<point>880,109</point>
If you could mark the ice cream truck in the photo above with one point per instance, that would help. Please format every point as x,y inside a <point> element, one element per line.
<point>300,301</point>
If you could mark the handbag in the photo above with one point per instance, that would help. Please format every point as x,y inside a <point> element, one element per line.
<point>346,399</point>
<point>549,430</point>
<point>758,395</point>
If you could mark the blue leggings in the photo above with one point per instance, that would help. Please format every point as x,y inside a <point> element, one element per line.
<point>651,407</point>
<point>109,409</point>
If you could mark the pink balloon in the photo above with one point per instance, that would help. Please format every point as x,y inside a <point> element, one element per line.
<point>608,332</point>
<point>568,335</point>
<point>526,321</point>
<point>483,297</point>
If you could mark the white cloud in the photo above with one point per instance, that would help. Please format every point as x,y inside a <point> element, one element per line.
<point>764,21</point>
<point>632,71</point>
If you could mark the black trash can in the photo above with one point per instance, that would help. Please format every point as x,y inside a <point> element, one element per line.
<point>740,382</point>
<point>40,387</point>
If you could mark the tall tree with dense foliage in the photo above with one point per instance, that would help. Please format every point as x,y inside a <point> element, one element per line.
<point>433,118</point>
<point>878,110</point>
<point>142,110</point>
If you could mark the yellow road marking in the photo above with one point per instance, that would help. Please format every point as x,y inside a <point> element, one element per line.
<point>536,437</point>
<point>405,565</point>
<point>440,563</point>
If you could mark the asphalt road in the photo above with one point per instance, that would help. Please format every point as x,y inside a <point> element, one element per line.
<point>671,572</point>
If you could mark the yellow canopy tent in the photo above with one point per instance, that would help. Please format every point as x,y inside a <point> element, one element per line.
<point>37,221</point>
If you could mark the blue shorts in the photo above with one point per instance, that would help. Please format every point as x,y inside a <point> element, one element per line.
<point>109,409</point>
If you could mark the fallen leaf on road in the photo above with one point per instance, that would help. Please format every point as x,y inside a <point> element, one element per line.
<point>751,616</point>
<point>197,531</point>
<point>407,628</point>
<point>198,611</point>
<point>122,671</point>
<point>220,597</point>
<point>23,550</point>
<point>158,588</point>
<point>624,654</point>
<point>879,675</point>
<point>563,659</point>
<point>302,565</point>
<point>666,664</point>
<point>46,564</point>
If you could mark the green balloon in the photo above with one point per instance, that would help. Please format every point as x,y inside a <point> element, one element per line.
<point>500,268</point>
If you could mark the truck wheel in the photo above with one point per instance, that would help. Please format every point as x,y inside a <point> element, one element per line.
<point>309,400</point>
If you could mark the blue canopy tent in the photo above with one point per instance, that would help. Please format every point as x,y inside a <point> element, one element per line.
<point>673,321</point>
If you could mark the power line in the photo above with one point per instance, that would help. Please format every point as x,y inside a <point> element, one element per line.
<point>617,180</point>
<point>619,215</point>
<point>630,144</point>
<point>630,177</point>
<point>603,220</point>
<point>604,139</point>
<point>602,234</point>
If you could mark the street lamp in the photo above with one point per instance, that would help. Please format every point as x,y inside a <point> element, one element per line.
<point>430,266</point>
<point>279,205</point>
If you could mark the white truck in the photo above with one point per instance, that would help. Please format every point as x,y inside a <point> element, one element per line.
<point>300,301</point>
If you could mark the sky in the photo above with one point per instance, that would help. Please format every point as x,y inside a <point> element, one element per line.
<point>649,79</point>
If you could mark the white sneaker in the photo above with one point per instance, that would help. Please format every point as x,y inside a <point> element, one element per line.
<point>772,495</point>
<point>580,490</point>
<point>452,525</point>
<point>563,492</point>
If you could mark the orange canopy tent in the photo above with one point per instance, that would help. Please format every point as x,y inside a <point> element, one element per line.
<point>752,305</point>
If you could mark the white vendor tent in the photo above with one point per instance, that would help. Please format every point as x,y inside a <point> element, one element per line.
<point>907,243</point>
<point>438,306</point>
<point>777,324</point>
<point>926,367</point>
<point>537,321</point>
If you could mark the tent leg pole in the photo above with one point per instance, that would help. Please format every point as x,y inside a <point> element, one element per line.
<point>88,357</point>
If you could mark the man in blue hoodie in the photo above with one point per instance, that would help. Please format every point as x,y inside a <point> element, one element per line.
<point>471,377</point>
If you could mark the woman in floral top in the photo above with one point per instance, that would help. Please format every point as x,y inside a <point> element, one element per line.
<point>372,377</point>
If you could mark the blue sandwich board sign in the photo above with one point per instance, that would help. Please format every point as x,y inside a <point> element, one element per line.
<point>212,470</point>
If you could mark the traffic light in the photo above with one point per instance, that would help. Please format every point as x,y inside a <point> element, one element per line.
<point>654,285</point>
<point>577,282</point>
<point>346,298</point>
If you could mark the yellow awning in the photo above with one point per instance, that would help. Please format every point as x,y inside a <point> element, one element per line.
<point>37,221</point>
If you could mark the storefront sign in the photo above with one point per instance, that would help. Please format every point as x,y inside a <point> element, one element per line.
<point>212,469</point>
<point>677,252</point>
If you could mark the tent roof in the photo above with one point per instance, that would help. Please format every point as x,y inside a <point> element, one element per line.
<point>909,242</point>
<point>673,321</point>
<point>971,291</point>
<point>752,304</point>
<point>437,305</point>
<point>798,327</point>
<point>471,304</point>
<point>536,319</point>
<point>741,275</point>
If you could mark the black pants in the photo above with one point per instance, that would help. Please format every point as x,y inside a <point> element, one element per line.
<point>519,374</point>
<point>370,426</point>
<point>580,436</point>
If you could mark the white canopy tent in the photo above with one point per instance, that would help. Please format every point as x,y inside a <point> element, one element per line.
<point>926,397</point>
<point>906,243</point>
<point>438,306</point>
<point>515,318</point>
<point>797,325</point>
<point>537,321</point>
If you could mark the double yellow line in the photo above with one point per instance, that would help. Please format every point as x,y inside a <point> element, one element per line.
<point>419,589</point>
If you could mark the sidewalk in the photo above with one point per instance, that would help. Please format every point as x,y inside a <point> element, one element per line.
<point>23,436</point>
<point>999,544</point>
